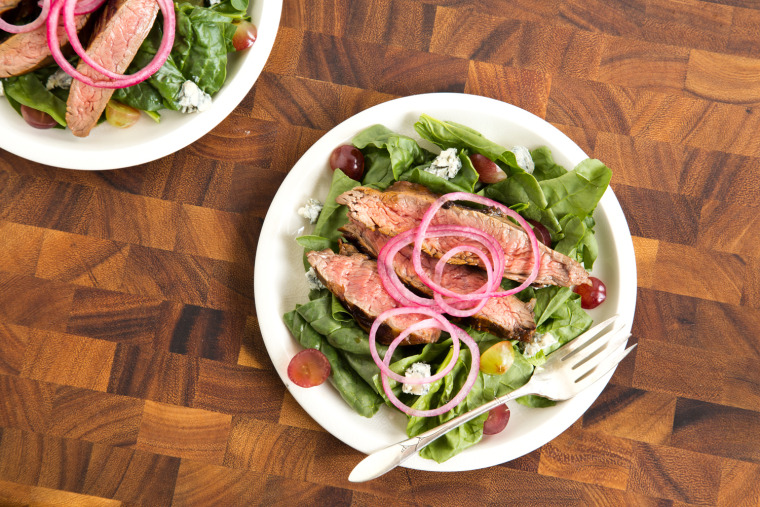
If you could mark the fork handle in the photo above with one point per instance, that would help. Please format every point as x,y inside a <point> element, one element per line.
<point>384,460</point>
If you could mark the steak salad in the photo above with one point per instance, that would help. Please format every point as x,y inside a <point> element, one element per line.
<point>355,314</point>
<point>181,70</point>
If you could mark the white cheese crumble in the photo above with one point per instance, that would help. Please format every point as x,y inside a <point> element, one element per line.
<point>523,158</point>
<point>59,79</point>
<point>446,165</point>
<point>2,92</point>
<point>311,210</point>
<point>192,99</point>
<point>313,281</point>
<point>212,3</point>
<point>540,342</point>
<point>417,370</point>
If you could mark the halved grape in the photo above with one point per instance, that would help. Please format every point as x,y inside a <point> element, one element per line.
<point>497,420</point>
<point>592,295</point>
<point>121,115</point>
<point>488,171</point>
<point>36,118</point>
<point>497,359</point>
<point>348,159</point>
<point>309,368</point>
<point>541,232</point>
<point>245,35</point>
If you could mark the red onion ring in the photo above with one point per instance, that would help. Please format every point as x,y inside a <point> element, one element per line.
<point>438,321</point>
<point>485,288</point>
<point>427,218</point>
<point>33,25</point>
<point>456,400</point>
<point>117,80</point>
<point>88,6</point>
<point>403,295</point>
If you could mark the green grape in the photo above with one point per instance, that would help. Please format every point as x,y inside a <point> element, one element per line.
<point>497,359</point>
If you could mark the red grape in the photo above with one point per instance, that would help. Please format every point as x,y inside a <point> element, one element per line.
<point>348,159</point>
<point>541,232</point>
<point>37,119</point>
<point>497,420</point>
<point>245,35</point>
<point>308,368</point>
<point>488,171</point>
<point>591,295</point>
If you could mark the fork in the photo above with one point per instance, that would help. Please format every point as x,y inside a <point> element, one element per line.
<point>568,371</point>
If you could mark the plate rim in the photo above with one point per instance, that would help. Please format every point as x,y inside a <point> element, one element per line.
<point>620,238</point>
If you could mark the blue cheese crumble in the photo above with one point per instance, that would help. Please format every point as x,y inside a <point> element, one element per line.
<point>192,99</point>
<point>58,79</point>
<point>446,165</point>
<point>540,342</point>
<point>417,370</point>
<point>313,281</point>
<point>311,210</point>
<point>523,158</point>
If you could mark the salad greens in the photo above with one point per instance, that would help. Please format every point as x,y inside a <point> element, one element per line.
<point>561,200</point>
<point>203,39</point>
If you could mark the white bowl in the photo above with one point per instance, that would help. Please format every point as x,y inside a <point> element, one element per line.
<point>279,278</point>
<point>108,147</point>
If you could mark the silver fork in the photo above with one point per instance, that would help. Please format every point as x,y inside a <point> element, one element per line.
<point>568,371</point>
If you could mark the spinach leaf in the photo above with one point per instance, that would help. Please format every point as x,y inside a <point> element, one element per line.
<point>378,170</point>
<point>404,151</point>
<point>577,192</point>
<point>579,241</point>
<point>522,188</point>
<point>29,90</point>
<point>203,39</point>
<point>535,401</point>
<point>333,215</point>
<point>545,167</point>
<point>351,386</point>
<point>312,242</point>
<point>464,181</point>
<point>447,134</point>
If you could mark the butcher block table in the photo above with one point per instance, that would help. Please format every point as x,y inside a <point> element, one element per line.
<point>132,367</point>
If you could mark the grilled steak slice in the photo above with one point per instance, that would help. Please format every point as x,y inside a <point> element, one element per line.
<point>6,5</point>
<point>506,317</point>
<point>118,35</point>
<point>24,52</point>
<point>355,281</point>
<point>402,206</point>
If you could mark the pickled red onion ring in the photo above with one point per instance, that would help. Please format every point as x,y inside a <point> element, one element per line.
<point>439,267</point>
<point>33,25</point>
<point>116,80</point>
<point>88,6</point>
<point>456,400</point>
<point>427,218</point>
<point>437,321</point>
<point>402,294</point>
<point>158,60</point>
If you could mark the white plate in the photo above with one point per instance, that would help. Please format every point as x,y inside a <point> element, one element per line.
<point>279,279</point>
<point>110,148</point>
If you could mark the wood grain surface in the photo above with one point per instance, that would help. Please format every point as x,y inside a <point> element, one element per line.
<point>132,367</point>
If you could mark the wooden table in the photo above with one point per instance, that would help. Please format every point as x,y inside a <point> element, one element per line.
<point>132,368</point>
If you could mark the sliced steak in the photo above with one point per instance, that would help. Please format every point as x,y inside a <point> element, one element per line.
<point>355,281</point>
<point>506,317</point>
<point>402,206</point>
<point>24,52</point>
<point>118,35</point>
<point>6,5</point>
